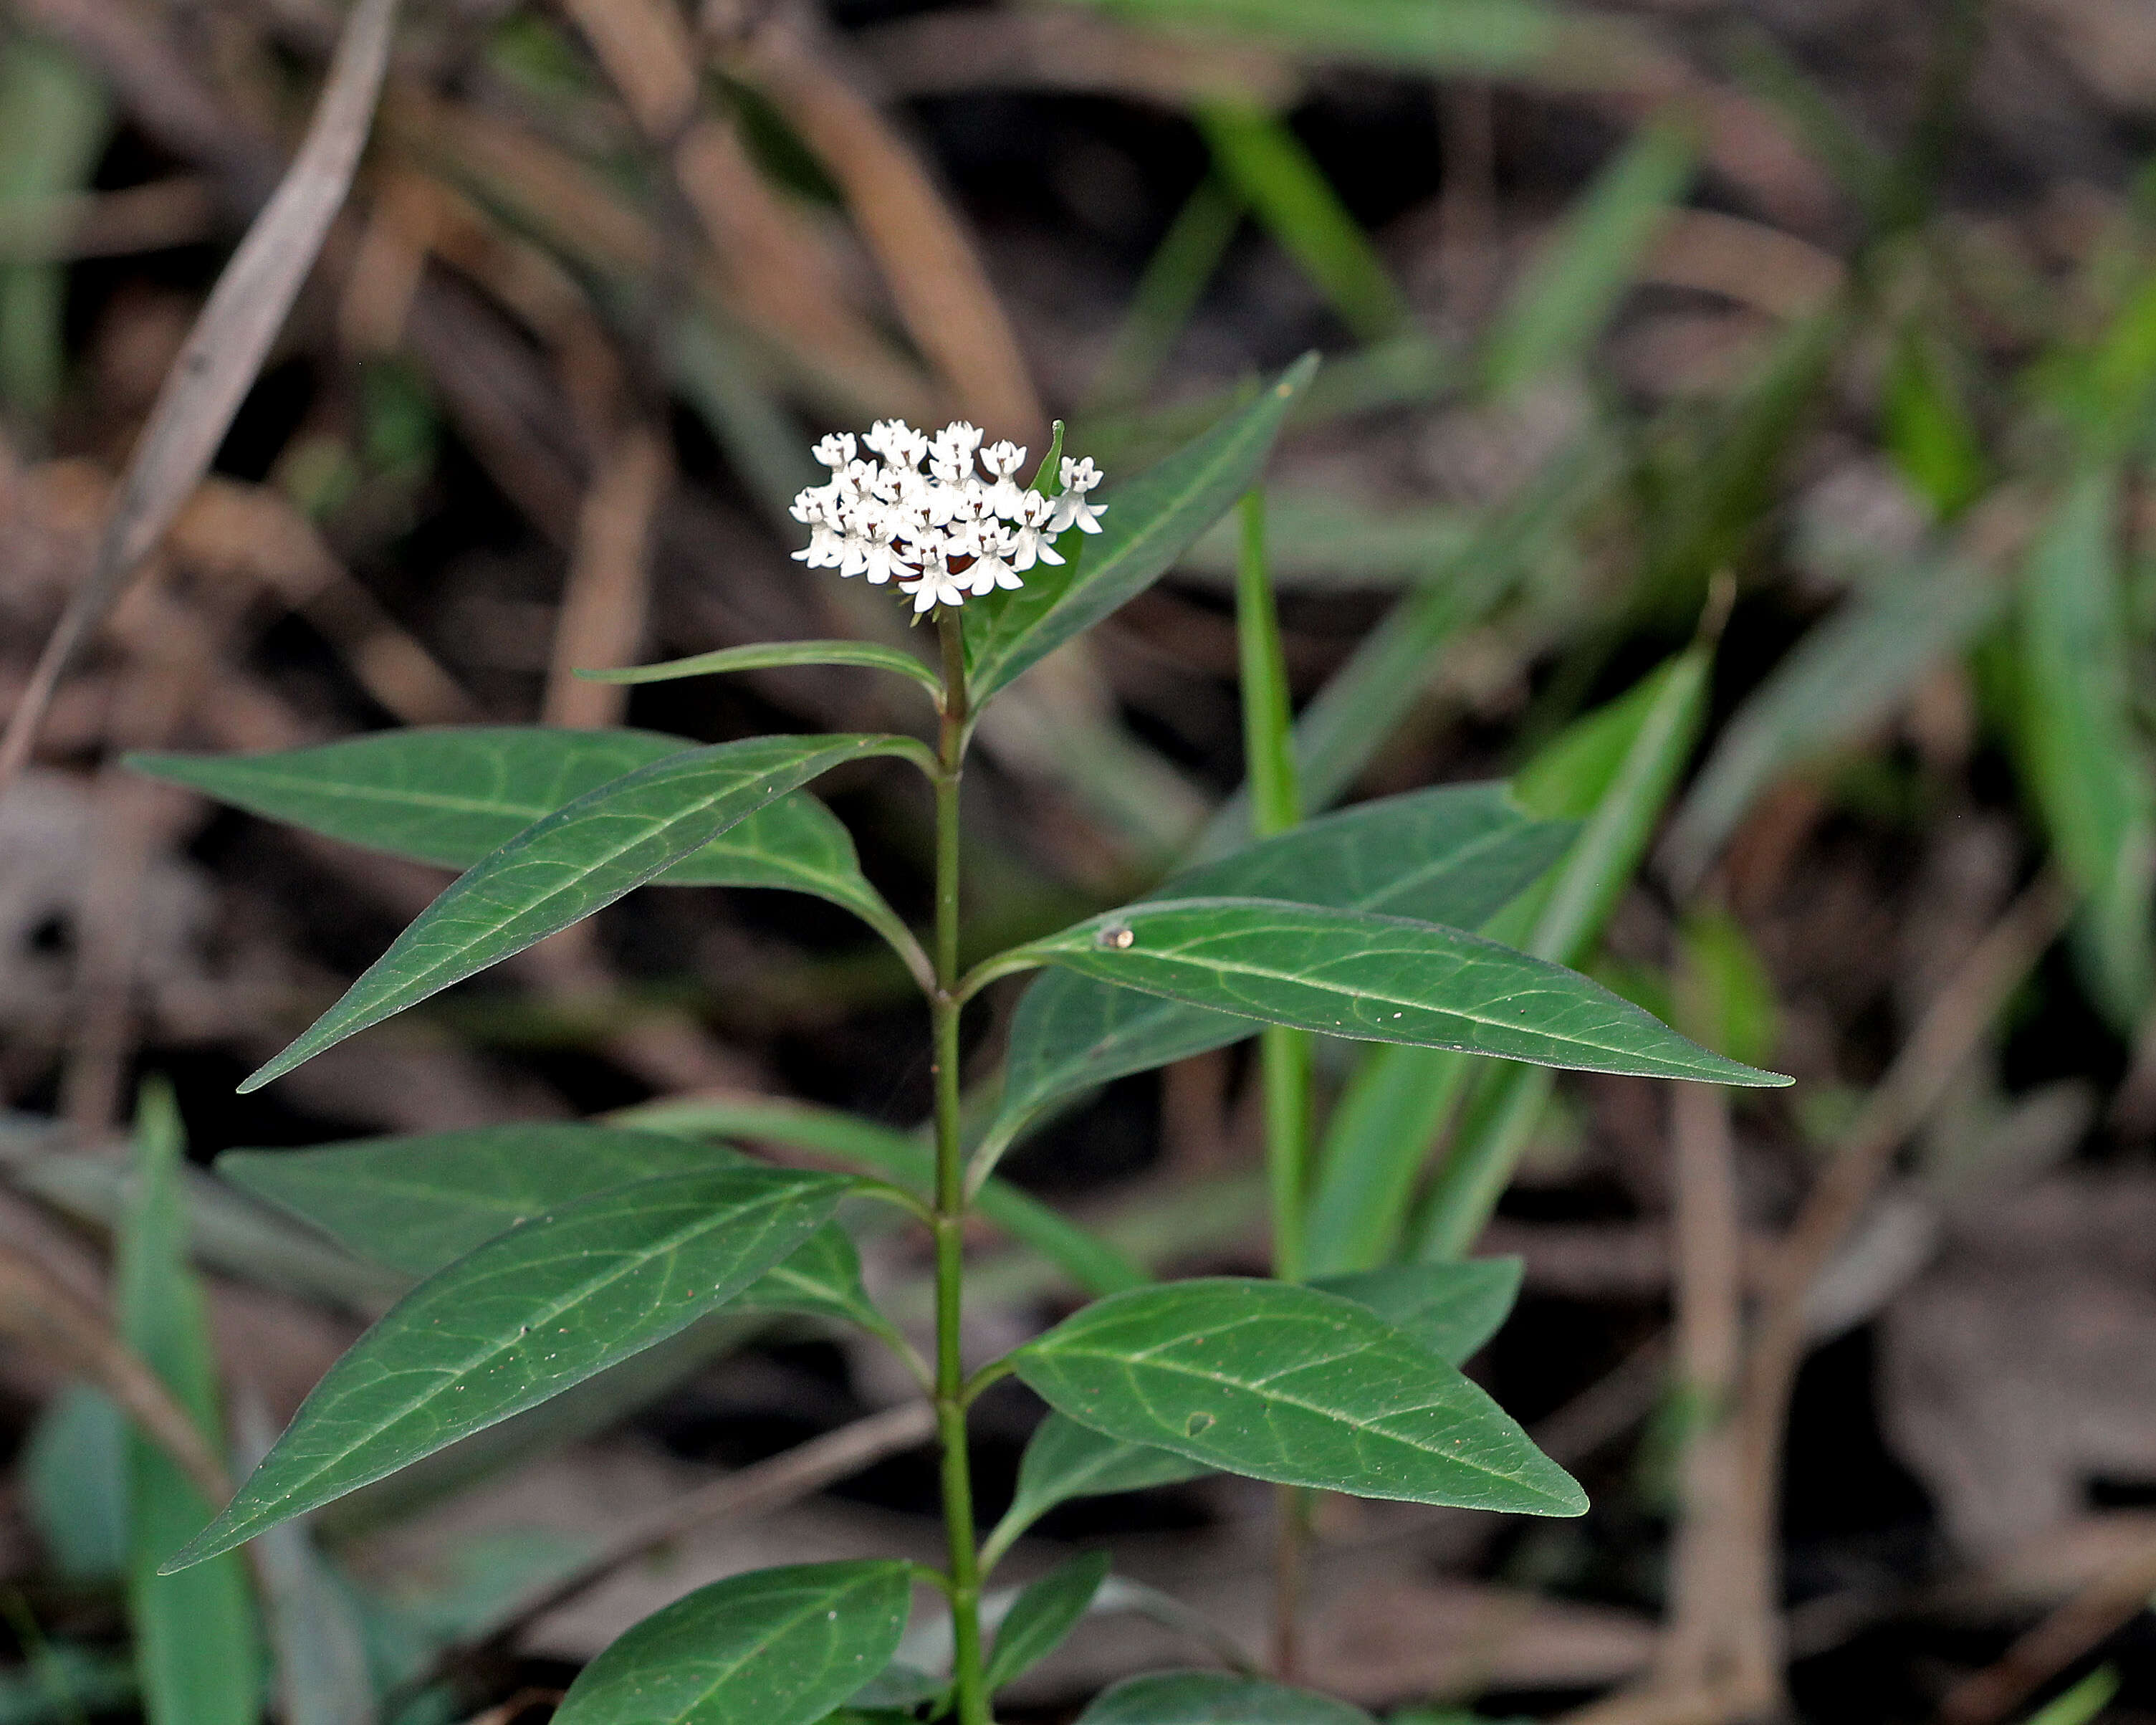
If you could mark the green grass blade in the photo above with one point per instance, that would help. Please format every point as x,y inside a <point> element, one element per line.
<point>520,1319</point>
<point>1279,1382</point>
<point>570,863</point>
<point>1572,288</point>
<point>1289,196</point>
<point>2082,754</point>
<point>55,119</point>
<point>1167,293</point>
<point>199,1644</point>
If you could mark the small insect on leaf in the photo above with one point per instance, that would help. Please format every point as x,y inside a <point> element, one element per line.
<point>1117,938</point>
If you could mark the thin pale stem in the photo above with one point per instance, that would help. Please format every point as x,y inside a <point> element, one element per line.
<point>945,1006</point>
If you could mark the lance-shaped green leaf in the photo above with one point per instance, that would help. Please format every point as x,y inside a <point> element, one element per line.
<point>522,1317</point>
<point>419,1203</point>
<point>1043,1615</point>
<point>1150,522</point>
<point>1065,1460</point>
<point>772,1647</point>
<point>1357,974</point>
<point>1285,1383</point>
<point>1455,854</point>
<point>1215,1698</point>
<point>770,655</point>
<point>450,796</point>
<point>572,862</point>
<point>1450,1309</point>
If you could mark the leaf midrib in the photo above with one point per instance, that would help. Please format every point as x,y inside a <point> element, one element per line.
<point>1129,1362</point>
<point>1174,955</point>
<point>827,1601</point>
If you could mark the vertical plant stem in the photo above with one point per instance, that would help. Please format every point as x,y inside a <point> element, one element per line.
<point>1283,1053</point>
<point>966,1664</point>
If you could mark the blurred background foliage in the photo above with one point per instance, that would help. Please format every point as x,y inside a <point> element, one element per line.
<point>1736,423</point>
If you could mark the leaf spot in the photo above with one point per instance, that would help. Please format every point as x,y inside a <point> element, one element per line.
<point>1196,1425</point>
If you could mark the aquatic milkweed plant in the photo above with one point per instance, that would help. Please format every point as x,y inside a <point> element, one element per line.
<point>549,1254</point>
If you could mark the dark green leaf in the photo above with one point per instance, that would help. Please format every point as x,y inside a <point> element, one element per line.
<point>1377,979</point>
<point>1285,1383</point>
<point>420,1204</point>
<point>1451,1309</point>
<point>572,862</point>
<point>870,655</point>
<point>1065,1460</point>
<point>198,1643</point>
<point>772,1647</point>
<point>522,1317</point>
<point>1455,855</point>
<point>1215,1698</point>
<point>1150,522</point>
<point>1043,1615</point>
<point>451,795</point>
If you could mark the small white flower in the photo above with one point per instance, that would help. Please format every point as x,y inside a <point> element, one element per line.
<point>942,535</point>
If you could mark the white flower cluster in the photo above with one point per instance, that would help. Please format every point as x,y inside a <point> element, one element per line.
<point>942,533</point>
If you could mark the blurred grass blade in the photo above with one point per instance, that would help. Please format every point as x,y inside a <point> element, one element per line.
<point>197,1646</point>
<point>1341,729</point>
<point>1522,38</point>
<point>54,122</point>
<point>1393,1109</point>
<point>1092,1264</point>
<point>1618,768</point>
<point>1276,807</point>
<point>223,352</point>
<point>1928,430</point>
<point>520,1319</point>
<point>1150,522</point>
<point>2086,761</point>
<point>1289,196</point>
<point>2082,1703</point>
<point>576,860</point>
<point>1864,175</point>
<point>1839,681</point>
<point>1570,292</point>
<point>1168,294</point>
<point>317,1639</point>
<point>72,1477</point>
<point>870,655</point>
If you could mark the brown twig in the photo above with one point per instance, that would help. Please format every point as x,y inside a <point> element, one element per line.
<point>935,274</point>
<point>218,363</point>
<point>601,621</point>
<point>41,1311</point>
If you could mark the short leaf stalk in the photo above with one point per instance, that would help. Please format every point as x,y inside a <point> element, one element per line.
<point>1283,1053</point>
<point>944,1006</point>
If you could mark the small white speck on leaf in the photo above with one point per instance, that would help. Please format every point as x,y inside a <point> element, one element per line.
<point>1116,938</point>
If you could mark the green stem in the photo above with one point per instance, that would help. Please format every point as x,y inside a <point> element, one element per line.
<point>944,1006</point>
